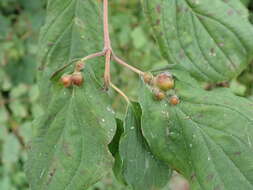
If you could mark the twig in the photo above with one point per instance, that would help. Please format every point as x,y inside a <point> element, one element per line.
<point>98,54</point>
<point>107,74</point>
<point>91,56</point>
<point>121,62</point>
<point>107,41</point>
<point>120,92</point>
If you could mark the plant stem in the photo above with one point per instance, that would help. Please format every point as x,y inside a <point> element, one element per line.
<point>107,73</point>
<point>121,62</point>
<point>120,92</point>
<point>107,46</point>
<point>107,42</point>
<point>91,56</point>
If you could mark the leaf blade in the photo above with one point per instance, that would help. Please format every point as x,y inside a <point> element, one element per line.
<point>69,150</point>
<point>207,137</point>
<point>140,168</point>
<point>210,42</point>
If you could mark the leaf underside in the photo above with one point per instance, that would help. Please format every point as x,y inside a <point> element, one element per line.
<point>208,137</point>
<point>211,39</point>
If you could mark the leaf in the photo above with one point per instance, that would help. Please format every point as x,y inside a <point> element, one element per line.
<point>245,2</point>
<point>22,71</point>
<point>73,29</point>
<point>211,39</point>
<point>69,150</point>
<point>11,149</point>
<point>207,137</point>
<point>141,169</point>
<point>114,149</point>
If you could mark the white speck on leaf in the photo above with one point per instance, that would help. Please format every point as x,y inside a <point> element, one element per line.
<point>110,110</point>
<point>167,131</point>
<point>249,141</point>
<point>146,164</point>
<point>212,54</point>
<point>42,173</point>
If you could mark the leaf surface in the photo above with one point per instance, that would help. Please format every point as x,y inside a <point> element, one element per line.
<point>211,39</point>
<point>69,150</point>
<point>141,169</point>
<point>207,137</point>
<point>72,30</point>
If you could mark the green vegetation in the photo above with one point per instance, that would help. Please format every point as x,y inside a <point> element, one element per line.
<point>20,22</point>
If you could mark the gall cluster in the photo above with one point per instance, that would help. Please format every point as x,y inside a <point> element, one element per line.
<point>73,79</point>
<point>161,85</point>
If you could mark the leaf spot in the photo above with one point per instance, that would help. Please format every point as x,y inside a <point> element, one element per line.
<point>230,12</point>
<point>212,52</point>
<point>237,153</point>
<point>158,8</point>
<point>221,44</point>
<point>210,177</point>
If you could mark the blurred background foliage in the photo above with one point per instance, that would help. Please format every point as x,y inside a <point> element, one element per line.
<point>20,22</point>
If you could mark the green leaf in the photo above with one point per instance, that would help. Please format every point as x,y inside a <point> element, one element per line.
<point>141,169</point>
<point>69,150</point>
<point>11,149</point>
<point>207,137</point>
<point>114,149</point>
<point>72,30</point>
<point>213,43</point>
<point>245,2</point>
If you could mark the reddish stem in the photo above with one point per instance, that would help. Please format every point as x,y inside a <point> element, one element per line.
<point>107,47</point>
<point>123,63</point>
<point>107,42</point>
<point>107,74</point>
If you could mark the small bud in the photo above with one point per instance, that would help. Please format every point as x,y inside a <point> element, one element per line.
<point>158,95</point>
<point>79,66</point>
<point>148,77</point>
<point>174,100</point>
<point>164,81</point>
<point>66,80</point>
<point>77,78</point>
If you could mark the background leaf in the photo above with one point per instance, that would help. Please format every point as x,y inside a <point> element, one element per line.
<point>207,137</point>
<point>212,43</point>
